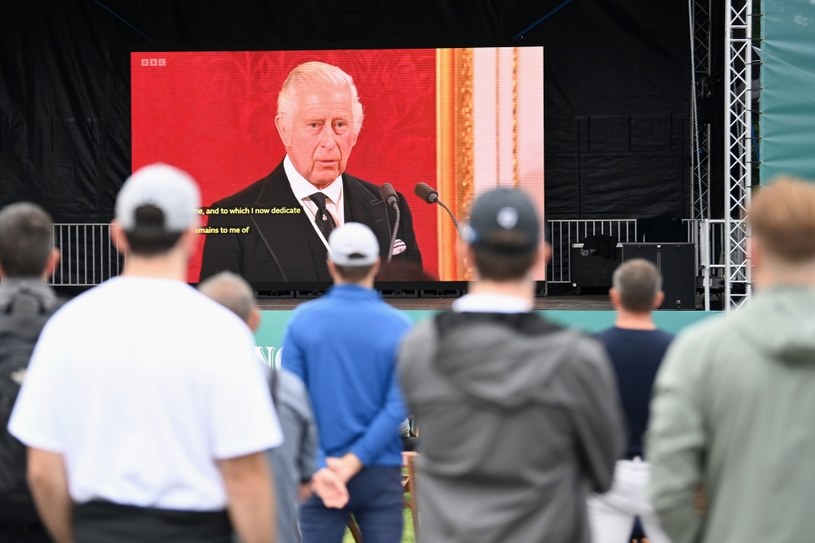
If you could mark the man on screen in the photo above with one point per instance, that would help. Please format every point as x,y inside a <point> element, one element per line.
<point>277,228</point>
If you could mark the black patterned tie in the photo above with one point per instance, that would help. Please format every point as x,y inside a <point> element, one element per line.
<point>325,222</point>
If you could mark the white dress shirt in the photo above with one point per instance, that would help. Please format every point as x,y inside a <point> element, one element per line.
<point>303,189</point>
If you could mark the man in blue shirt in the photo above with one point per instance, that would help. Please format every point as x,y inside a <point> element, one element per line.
<point>636,348</point>
<point>343,346</point>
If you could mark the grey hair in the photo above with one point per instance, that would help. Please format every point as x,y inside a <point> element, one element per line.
<point>26,239</point>
<point>317,74</point>
<point>232,292</point>
<point>638,282</point>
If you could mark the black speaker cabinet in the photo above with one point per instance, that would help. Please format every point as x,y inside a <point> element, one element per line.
<point>590,270</point>
<point>675,262</point>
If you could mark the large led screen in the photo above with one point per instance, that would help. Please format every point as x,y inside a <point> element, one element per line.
<point>459,120</point>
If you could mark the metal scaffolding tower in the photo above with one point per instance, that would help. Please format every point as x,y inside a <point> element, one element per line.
<point>738,149</point>
<point>700,22</point>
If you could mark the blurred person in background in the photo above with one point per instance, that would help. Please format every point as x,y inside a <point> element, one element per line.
<point>292,462</point>
<point>733,402</point>
<point>636,348</point>
<point>27,258</point>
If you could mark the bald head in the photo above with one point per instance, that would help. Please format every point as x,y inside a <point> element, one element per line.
<point>234,293</point>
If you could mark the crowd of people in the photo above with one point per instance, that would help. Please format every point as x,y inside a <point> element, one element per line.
<point>138,412</point>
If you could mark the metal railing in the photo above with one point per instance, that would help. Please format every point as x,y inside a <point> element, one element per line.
<point>562,233</point>
<point>709,237</point>
<point>87,257</point>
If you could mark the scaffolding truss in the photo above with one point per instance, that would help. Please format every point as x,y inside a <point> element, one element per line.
<point>738,149</point>
<point>700,36</point>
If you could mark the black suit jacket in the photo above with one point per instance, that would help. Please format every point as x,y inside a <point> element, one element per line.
<point>295,252</point>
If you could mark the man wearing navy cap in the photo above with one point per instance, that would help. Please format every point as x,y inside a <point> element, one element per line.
<point>519,417</point>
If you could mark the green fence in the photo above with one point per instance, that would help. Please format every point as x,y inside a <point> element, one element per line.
<point>788,89</point>
<point>269,337</point>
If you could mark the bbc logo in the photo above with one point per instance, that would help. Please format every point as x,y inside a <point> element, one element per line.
<point>154,62</point>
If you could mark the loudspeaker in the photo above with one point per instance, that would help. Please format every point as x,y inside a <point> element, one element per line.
<point>674,261</point>
<point>590,270</point>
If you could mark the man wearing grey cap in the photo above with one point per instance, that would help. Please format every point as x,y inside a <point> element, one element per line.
<point>137,430</point>
<point>343,346</point>
<point>519,417</point>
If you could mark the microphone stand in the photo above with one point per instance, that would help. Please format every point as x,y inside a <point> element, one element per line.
<point>395,229</point>
<point>391,198</point>
<point>447,209</point>
<point>431,196</point>
<point>269,248</point>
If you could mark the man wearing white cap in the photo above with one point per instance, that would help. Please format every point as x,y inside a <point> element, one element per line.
<point>137,428</point>
<point>343,346</point>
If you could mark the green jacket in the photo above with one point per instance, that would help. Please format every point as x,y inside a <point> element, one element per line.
<point>734,410</point>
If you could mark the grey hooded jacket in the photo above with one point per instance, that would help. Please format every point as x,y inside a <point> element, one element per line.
<point>733,411</point>
<point>519,420</point>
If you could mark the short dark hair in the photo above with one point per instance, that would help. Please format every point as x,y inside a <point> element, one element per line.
<point>26,239</point>
<point>506,257</point>
<point>638,282</point>
<point>353,274</point>
<point>148,238</point>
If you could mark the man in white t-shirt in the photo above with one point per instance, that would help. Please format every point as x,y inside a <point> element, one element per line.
<point>146,415</point>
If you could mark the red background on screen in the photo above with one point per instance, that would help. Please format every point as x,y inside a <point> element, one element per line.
<point>212,114</point>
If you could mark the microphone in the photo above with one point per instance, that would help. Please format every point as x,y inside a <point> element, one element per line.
<point>389,196</point>
<point>431,196</point>
<point>426,193</point>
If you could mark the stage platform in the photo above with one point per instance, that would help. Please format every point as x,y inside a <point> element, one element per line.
<point>587,312</point>
<point>560,303</point>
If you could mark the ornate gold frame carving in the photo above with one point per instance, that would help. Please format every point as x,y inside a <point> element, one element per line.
<point>454,155</point>
<point>516,177</point>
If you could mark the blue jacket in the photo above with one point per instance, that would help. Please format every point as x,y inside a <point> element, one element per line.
<point>343,346</point>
